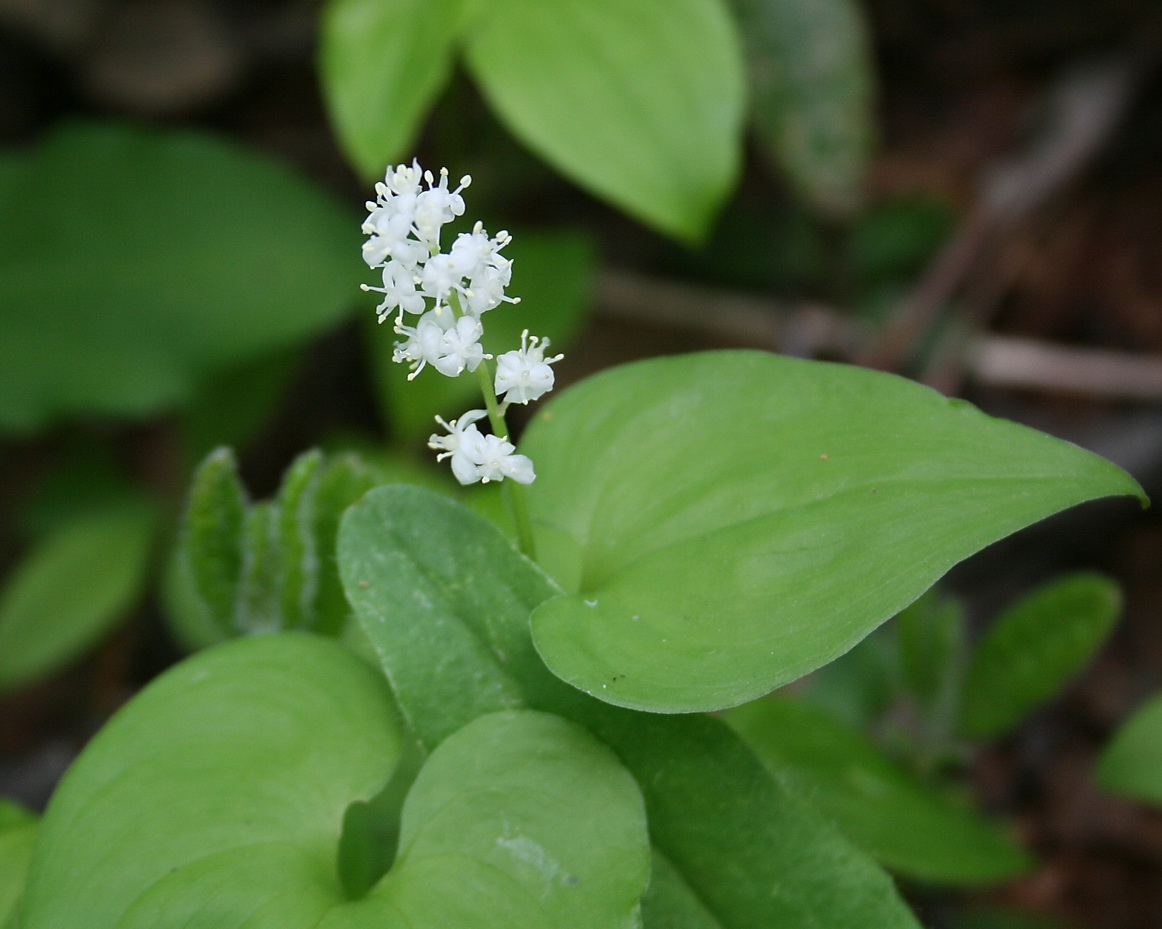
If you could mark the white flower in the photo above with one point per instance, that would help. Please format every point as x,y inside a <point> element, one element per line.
<point>460,347</point>
<point>399,291</point>
<point>497,461</point>
<point>525,375</point>
<point>478,457</point>
<point>423,345</point>
<point>438,206</point>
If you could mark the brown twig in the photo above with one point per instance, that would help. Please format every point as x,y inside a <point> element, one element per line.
<point>1084,107</point>
<point>812,330</point>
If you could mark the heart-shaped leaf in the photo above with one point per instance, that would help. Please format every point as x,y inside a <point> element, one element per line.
<point>444,599</point>
<point>638,101</point>
<point>216,798</point>
<point>520,820</point>
<point>217,793</point>
<point>738,519</point>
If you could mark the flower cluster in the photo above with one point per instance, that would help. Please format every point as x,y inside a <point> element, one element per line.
<point>448,293</point>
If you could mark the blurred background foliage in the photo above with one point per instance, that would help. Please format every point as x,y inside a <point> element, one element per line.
<point>962,192</point>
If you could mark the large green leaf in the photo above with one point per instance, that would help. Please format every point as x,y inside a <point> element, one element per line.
<point>444,598</point>
<point>1132,765</point>
<point>1034,648</point>
<point>72,588</point>
<point>907,825</point>
<point>521,820</point>
<point>813,86</point>
<point>640,102</point>
<point>216,798</point>
<point>195,256</point>
<point>217,793</point>
<point>738,519</point>
<point>382,63</point>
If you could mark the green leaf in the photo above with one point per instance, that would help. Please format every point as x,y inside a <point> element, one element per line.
<point>639,102</point>
<point>814,86</point>
<point>261,582</point>
<point>520,820</point>
<point>444,598</point>
<point>73,588</point>
<point>930,634</point>
<point>1132,764</point>
<point>301,559</point>
<point>1034,648</point>
<point>345,478</point>
<point>670,903</point>
<point>737,519</point>
<point>196,256</point>
<point>17,832</point>
<point>433,586</point>
<point>552,273</point>
<point>907,825</point>
<point>382,64</point>
<point>215,797</point>
<point>203,579</point>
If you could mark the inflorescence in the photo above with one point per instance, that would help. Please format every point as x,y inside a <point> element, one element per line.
<point>448,293</point>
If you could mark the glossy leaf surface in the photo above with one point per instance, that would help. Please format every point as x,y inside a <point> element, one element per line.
<point>445,599</point>
<point>639,102</point>
<point>1034,648</point>
<point>908,826</point>
<point>196,256</point>
<point>72,588</point>
<point>737,519</point>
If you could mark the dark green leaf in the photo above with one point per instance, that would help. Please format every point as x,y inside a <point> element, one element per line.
<point>382,63</point>
<point>1034,648</point>
<point>1132,765</point>
<point>813,85</point>
<point>17,832</point>
<point>196,256</point>
<point>931,638</point>
<point>640,102</point>
<point>738,519</point>
<point>72,588</point>
<point>908,826</point>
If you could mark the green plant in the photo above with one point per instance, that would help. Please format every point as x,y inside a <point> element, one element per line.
<point>521,737</point>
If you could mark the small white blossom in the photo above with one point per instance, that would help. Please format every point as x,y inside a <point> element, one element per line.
<point>478,457</point>
<point>460,347</point>
<point>423,345</point>
<point>525,375</point>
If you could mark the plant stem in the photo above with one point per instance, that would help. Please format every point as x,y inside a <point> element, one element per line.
<point>514,496</point>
